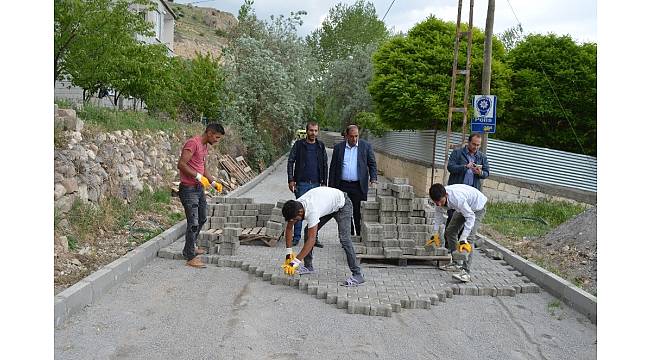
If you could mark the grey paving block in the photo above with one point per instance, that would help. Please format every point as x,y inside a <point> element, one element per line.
<point>341,302</point>
<point>392,253</point>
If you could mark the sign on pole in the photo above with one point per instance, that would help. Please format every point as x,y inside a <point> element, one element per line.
<point>485,114</point>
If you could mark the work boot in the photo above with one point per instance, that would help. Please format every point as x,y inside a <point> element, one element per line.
<point>196,262</point>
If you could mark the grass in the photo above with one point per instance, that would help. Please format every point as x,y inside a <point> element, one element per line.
<point>87,221</point>
<point>517,219</point>
<point>111,120</point>
<point>64,103</point>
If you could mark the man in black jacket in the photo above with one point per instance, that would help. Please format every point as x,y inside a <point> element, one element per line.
<point>306,169</point>
<point>353,167</point>
<point>468,165</point>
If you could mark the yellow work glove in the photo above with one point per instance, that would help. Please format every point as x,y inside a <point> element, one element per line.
<point>217,186</point>
<point>463,245</point>
<point>291,268</point>
<point>203,180</point>
<point>435,239</point>
<point>290,256</point>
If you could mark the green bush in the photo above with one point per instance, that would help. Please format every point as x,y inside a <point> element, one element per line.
<point>111,120</point>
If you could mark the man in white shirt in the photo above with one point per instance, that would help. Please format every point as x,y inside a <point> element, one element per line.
<point>317,207</point>
<point>469,206</point>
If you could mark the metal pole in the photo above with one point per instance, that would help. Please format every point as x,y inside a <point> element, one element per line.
<point>487,63</point>
<point>433,159</point>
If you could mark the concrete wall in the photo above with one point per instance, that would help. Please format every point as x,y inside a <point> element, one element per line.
<point>495,188</point>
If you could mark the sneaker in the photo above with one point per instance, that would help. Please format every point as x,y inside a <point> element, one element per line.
<point>450,267</point>
<point>462,276</point>
<point>304,270</point>
<point>354,280</point>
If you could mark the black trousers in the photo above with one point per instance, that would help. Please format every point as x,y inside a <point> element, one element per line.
<point>353,189</point>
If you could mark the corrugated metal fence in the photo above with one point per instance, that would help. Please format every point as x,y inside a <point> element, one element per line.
<point>508,159</point>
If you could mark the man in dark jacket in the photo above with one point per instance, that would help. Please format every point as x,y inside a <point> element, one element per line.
<point>306,169</point>
<point>468,165</point>
<point>353,166</point>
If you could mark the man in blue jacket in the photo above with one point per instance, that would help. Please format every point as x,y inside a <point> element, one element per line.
<point>353,166</point>
<point>306,169</point>
<point>468,165</point>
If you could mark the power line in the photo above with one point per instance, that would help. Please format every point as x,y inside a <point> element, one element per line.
<point>391,5</point>
<point>550,84</point>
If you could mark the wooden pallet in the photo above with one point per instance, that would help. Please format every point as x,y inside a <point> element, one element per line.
<point>404,259</point>
<point>233,168</point>
<point>256,236</point>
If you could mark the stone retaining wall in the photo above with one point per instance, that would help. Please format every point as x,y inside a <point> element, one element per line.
<point>496,188</point>
<point>119,163</point>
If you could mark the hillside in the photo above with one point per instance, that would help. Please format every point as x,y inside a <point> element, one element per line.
<point>200,29</point>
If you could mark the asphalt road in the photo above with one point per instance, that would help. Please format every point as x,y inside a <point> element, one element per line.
<point>170,311</point>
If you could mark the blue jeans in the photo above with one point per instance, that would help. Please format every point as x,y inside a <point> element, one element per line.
<point>193,200</point>
<point>301,189</point>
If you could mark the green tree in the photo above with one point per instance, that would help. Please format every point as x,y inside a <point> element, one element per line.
<point>554,86</point>
<point>346,27</point>
<point>271,86</point>
<point>201,82</point>
<point>346,86</point>
<point>344,45</point>
<point>88,32</point>
<point>413,75</point>
<point>510,37</point>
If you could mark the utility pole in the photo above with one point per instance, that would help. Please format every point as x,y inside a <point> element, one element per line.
<point>487,63</point>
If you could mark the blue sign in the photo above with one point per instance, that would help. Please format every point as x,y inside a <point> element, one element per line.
<point>485,114</point>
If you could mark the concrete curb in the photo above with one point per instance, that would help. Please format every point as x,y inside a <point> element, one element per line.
<point>89,289</point>
<point>573,296</point>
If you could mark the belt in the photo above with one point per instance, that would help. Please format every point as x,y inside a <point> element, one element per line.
<point>197,186</point>
<point>309,182</point>
<point>350,182</point>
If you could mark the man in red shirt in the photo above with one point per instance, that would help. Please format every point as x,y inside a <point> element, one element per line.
<point>194,180</point>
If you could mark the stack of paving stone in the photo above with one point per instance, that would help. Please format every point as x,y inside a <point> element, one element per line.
<point>230,241</point>
<point>230,213</point>
<point>396,223</point>
<point>275,225</point>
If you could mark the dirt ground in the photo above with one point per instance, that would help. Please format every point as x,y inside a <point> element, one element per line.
<point>72,266</point>
<point>570,250</point>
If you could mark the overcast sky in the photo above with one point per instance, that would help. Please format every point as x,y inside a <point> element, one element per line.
<point>576,18</point>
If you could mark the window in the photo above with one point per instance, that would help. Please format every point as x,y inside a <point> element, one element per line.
<point>158,24</point>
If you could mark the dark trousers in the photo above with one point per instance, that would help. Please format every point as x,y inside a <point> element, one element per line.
<point>193,200</point>
<point>353,190</point>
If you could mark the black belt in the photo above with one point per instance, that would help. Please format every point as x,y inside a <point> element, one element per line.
<point>197,186</point>
<point>350,182</point>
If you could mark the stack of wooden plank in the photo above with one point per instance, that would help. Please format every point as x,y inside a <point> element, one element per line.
<point>239,171</point>
<point>251,236</point>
